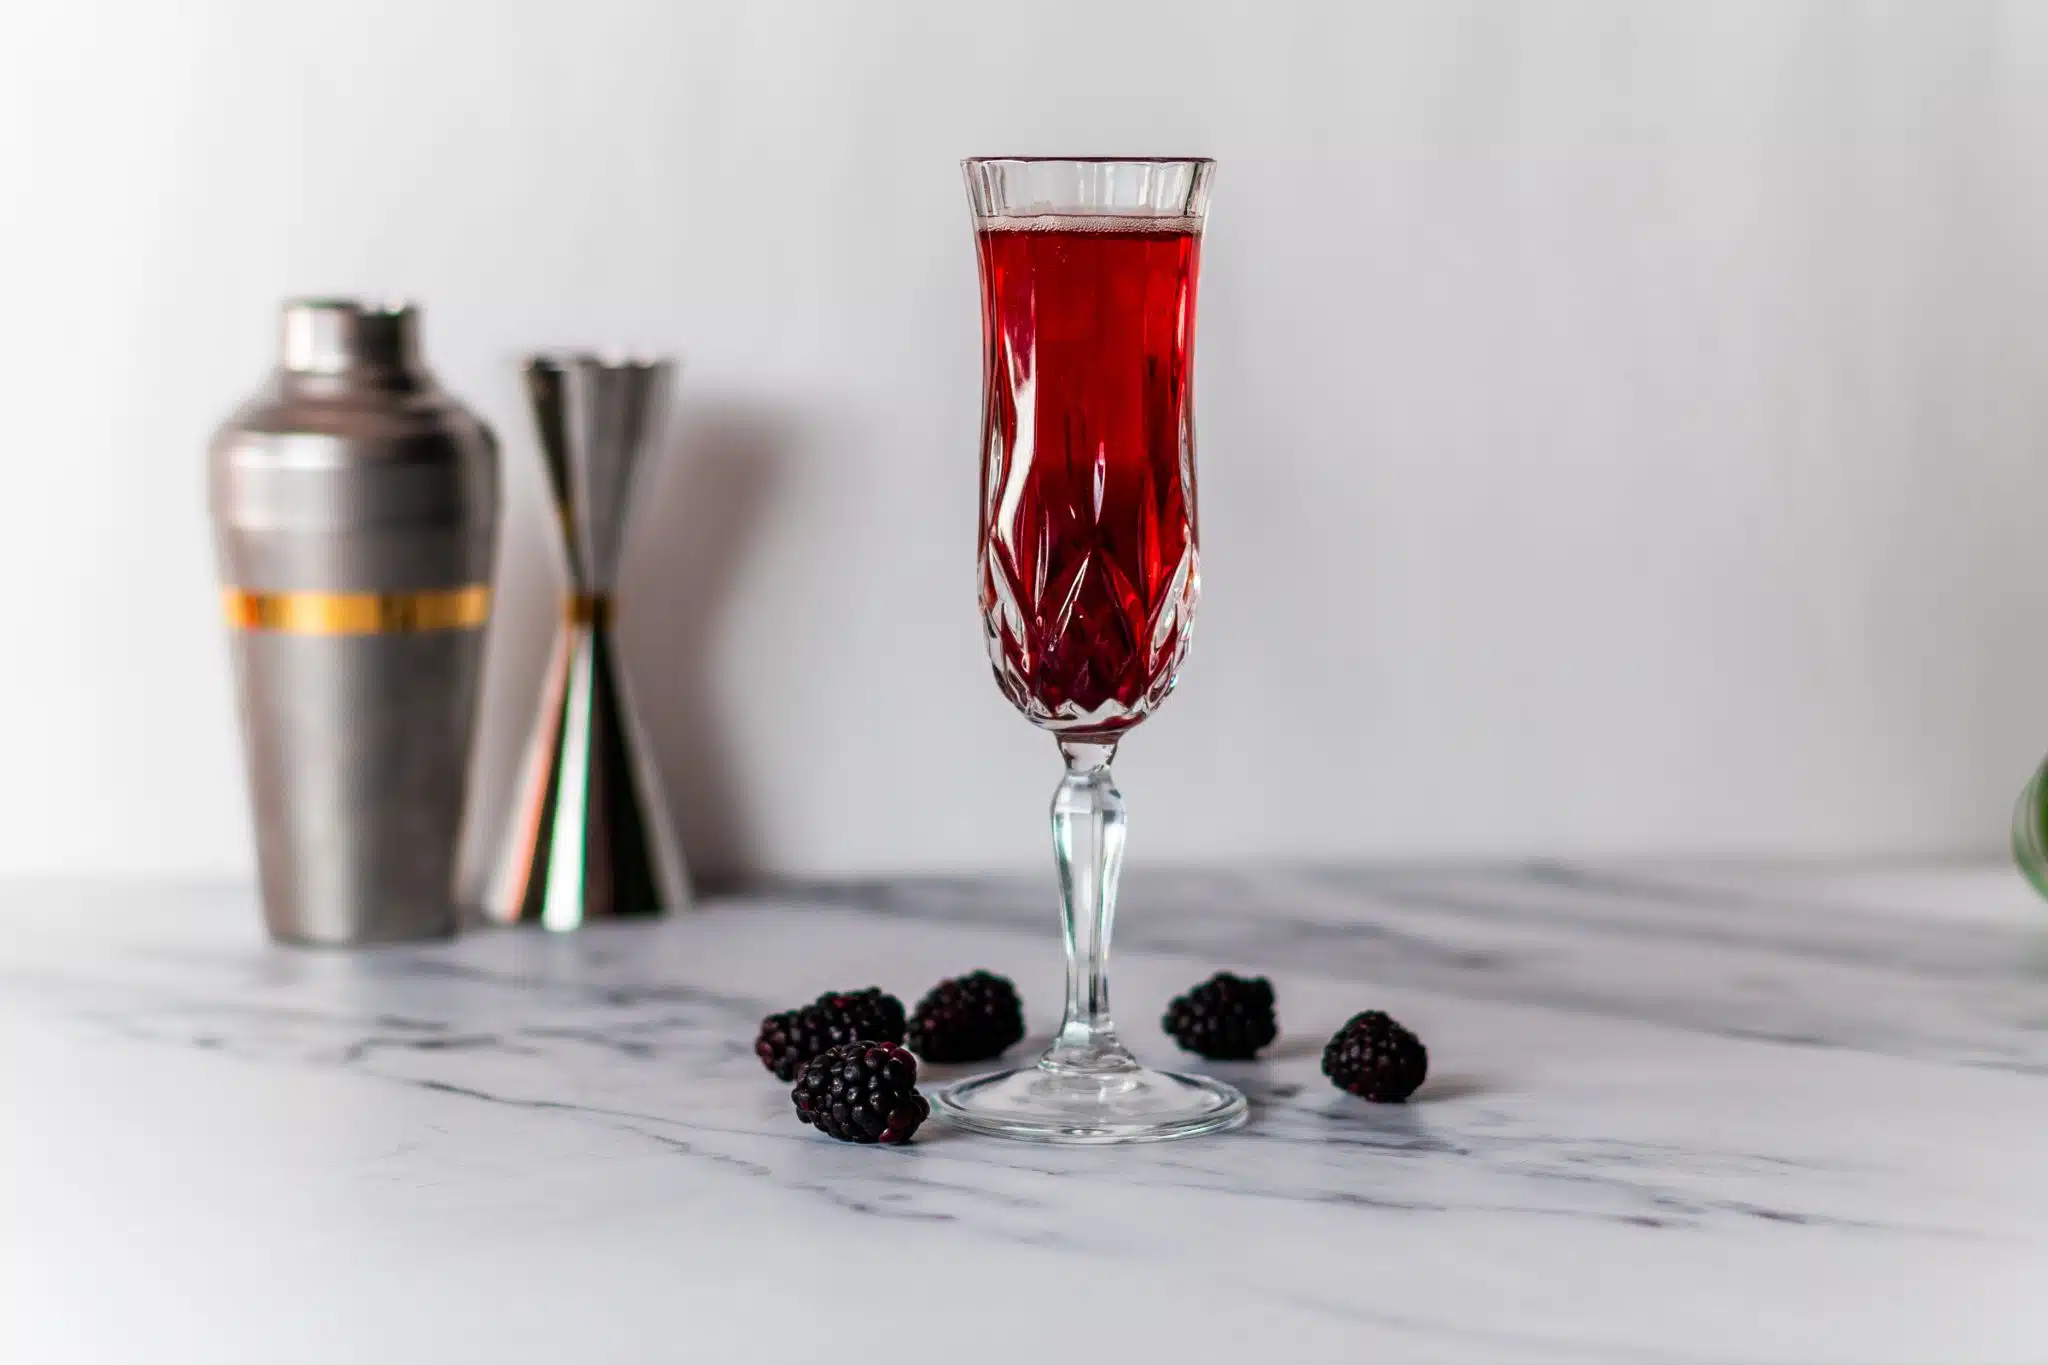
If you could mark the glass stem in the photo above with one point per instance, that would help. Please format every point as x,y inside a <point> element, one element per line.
<point>1088,841</point>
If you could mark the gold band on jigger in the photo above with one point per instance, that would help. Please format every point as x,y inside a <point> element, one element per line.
<point>358,613</point>
<point>589,609</point>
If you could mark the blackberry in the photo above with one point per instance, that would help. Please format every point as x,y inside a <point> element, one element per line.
<point>1376,1059</point>
<point>791,1038</point>
<point>969,1018</point>
<point>861,1092</point>
<point>1226,1018</point>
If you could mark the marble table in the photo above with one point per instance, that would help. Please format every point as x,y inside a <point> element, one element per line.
<point>1673,1115</point>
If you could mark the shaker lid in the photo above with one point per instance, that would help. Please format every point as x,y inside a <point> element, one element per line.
<point>342,336</point>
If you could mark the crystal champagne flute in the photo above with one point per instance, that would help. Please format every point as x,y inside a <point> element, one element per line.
<point>1089,572</point>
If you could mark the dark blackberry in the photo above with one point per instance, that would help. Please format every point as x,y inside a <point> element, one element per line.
<point>861,1092</point>
<point>1376,1059</point>
<point>1226,1018</point>
<point>791,1038</point>
<point>969,1018</point>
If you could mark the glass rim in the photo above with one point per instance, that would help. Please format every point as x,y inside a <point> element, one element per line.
<point>1090,160</point>
<point>595,358</point>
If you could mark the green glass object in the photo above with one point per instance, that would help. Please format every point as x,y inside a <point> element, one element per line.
<point>2030,830</point>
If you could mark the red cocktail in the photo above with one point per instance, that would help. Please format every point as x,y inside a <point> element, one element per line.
<point>1089,574</point>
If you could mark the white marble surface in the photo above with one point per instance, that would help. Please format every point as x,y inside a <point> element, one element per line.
<point>1673,1115</point>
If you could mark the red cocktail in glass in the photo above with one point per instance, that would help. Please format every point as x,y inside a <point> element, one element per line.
<point>1089,571</point>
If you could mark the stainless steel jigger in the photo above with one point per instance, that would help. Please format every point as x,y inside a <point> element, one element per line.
<point>591,837</point>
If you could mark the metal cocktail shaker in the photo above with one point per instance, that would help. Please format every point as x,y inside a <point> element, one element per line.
<point>355,508</point>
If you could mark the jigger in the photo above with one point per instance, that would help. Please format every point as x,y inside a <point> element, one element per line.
<point>590,837</point>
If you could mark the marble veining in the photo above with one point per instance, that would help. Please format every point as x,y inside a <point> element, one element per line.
<point>1673,1114</point>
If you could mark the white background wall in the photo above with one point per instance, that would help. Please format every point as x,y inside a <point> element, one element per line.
<point>1622,426</point>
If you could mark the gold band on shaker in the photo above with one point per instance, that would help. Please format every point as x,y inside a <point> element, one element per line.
<point>357,613</point>
<point>589,608</point>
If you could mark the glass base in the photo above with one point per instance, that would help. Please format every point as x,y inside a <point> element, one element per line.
<point>1057,1104</point>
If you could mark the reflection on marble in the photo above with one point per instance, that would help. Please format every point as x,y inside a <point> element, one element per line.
<point>1673,1115</point>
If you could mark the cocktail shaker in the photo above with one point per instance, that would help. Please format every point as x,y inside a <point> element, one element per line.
<point>355,509</point>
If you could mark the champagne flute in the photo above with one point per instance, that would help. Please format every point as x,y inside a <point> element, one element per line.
<point>1089,571</point>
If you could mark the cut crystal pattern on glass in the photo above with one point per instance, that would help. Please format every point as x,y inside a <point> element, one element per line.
<point>1089,563</point>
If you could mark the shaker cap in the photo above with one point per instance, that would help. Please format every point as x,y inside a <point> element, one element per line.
<point>345,336</point>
